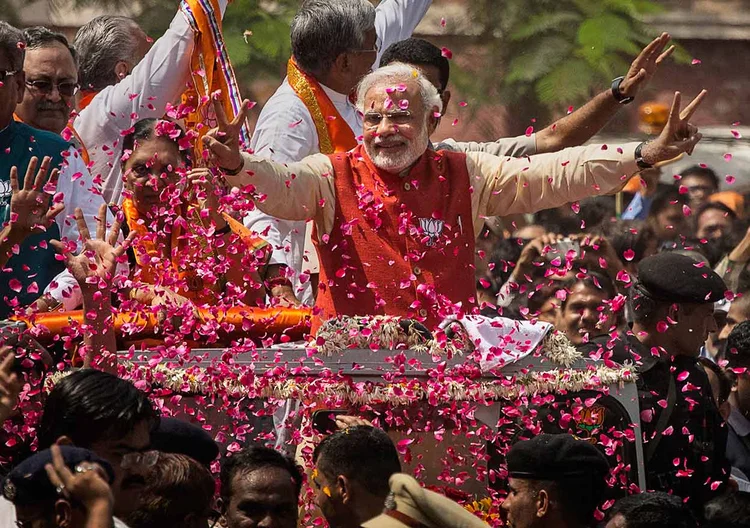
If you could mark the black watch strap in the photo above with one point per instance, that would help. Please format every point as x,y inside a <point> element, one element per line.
<point>642,164</point>
<point>617,94</point>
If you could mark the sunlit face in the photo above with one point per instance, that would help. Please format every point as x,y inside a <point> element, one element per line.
<point>714,224</point>
<point>521,504</point>
<point>262,498</point>
<point>582,313</point>
<point>51,77</point>
<point>395,125</point>
<point>151,167</point>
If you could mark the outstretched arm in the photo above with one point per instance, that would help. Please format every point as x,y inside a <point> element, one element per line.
<point>94,268</point>
<point>577,128</point>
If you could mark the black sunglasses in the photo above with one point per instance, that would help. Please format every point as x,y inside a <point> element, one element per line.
<point>66,88</point>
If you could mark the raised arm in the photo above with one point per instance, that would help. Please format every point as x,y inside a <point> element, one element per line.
<point>525,185</point>
<point>395,20</point>
<point>298,191</point>
<point>29,206</point>
<point>577,128</point>
<point>94,268</point>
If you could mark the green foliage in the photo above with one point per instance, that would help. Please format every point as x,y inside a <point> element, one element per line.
<point>556,53</point>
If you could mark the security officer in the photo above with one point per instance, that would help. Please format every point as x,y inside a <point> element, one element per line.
<point>684,436</point>
<point>62,486</point>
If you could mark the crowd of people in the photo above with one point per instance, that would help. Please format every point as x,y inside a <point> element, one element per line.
<point>116,198</point>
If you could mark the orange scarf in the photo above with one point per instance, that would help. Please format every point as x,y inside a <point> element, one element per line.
<point>211,71</point>
<point>85,99</point>
<point>150,259</point>
<point>334,134</point>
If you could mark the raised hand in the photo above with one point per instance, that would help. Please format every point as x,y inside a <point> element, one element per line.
<point>678,135</point>
<point>223,142</point>
<point>10,385</point>
<point>203,183</point>
<point>98,259</point>
<point>645,65</point>
<point>87,486</point>
<point>29,206</point>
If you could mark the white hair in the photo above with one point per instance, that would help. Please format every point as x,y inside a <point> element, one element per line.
<point>400,73</point>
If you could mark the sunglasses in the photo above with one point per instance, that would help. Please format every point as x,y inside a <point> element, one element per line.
<point>65,88</point>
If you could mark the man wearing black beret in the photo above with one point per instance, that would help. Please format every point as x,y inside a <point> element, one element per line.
<point>63,486</point>
<point>556,481</point>
<point>684,435</point>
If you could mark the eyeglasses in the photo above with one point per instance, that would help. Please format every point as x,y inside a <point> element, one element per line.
<point>374,49</point>
<point>373,119</point>
<point>65,88</point>
<point>146,459</point>
<point>4,74</point>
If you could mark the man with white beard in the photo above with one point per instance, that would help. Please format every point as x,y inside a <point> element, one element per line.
<point>395,222</point>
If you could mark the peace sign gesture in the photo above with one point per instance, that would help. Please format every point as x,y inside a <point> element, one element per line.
<point>29,206</point>
<point>678,135</point>
<point>223,142</point>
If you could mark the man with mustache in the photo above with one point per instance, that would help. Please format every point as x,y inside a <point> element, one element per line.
<point>395,222</point>
<point>50,86</point>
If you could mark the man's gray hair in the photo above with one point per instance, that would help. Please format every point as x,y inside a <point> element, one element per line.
<point>399,73</point>
<point>10,38</point>
<point>101,44</point>
<point>324,29</point>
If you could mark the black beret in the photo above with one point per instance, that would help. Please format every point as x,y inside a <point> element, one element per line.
<point>556,457</point>
<point>183,438</point>
<point>28,482</point>
<point>674,278</point>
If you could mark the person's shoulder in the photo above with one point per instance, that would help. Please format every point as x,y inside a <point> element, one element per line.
<point>43,138</point>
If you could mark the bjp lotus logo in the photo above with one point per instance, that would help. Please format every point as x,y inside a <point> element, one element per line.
<point>5,192</point>
<point>432,228</point>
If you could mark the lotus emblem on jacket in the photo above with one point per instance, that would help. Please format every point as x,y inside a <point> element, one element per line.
<point>432,228</point>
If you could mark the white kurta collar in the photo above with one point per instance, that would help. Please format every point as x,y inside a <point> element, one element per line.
<point>336,98</point>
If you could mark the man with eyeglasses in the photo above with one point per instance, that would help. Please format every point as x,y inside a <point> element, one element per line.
<point>396,222</point>
<point>51,82</point>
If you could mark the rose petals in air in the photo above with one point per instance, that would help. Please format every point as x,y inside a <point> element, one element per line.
<point>15,285</point>
<point>727,157</point>
<point>628,254</point>
<point>686,210</point>
<point>529,131</point>
<point>403,445</point>
<point>695,62</point>
<point>448,54</point>
<point>33,288</point>
<point>736,134</point>
<point>730,179</point>
<point>661,327</point>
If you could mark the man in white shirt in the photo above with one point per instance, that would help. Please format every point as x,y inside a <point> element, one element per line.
<point>123,81</point>
<point>51,82</point>
<point>331,42</point>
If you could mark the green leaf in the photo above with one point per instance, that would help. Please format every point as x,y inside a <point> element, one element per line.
<point>543,23</point>
<point>540,58</point>
<point>569,83</point>
<point>609,32</point>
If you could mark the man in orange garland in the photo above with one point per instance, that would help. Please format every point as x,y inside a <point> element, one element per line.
<point>395,222</point>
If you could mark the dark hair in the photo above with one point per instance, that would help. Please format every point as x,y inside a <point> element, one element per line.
<point>664,198</point>
<point>594,280</point>
<point>419,52</point>
<point>144,130</point>
<point>645,310</point>
<point>362,453</point>
<point>717,206</point>
<point>697,170</point>
<point>728,510</point>
<point>540,292</point>
<point>176,487</point>
<point>737,350</point>
<point>10,38</point>
<point>596,210</point>
<point>40,37</point>
<point>577,497</point>
<point>725,381</point>
<point>89,406</point>
<point>255,457</point>
<point>623,235</point>
<point>654,509</point>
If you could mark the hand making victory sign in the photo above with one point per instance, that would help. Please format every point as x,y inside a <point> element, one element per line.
<point>678,135</point>
<point>223,141</point>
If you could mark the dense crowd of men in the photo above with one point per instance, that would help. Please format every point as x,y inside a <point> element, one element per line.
<point>113,199</point>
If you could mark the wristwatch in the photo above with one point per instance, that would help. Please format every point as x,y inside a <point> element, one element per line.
<point>642,164</point>
<point>617,94</point>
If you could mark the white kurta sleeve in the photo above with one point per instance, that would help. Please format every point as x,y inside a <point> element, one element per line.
<point>503,186</point>
<point>159,78</point>
<point>513,147</point>
<point>395,20</point>
<point>78,190</point>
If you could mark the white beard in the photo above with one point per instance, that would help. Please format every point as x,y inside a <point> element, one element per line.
<point>403,158</point>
